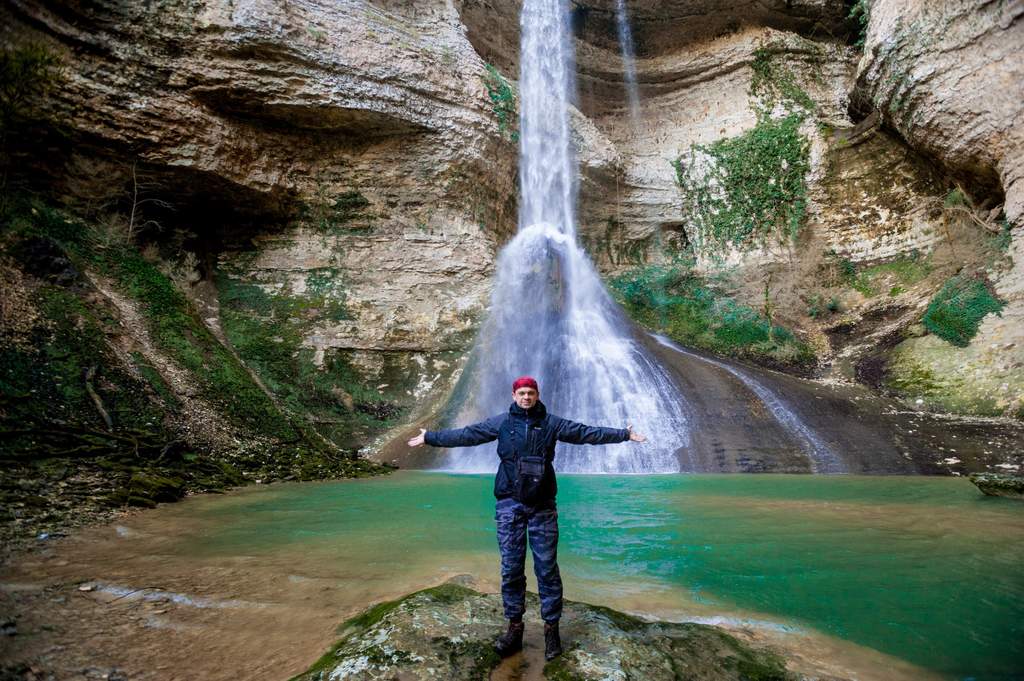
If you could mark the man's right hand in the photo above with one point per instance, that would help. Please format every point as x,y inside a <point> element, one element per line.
<point>418,440</point>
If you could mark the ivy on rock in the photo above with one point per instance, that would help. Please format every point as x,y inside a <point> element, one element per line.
<point>747,190</point>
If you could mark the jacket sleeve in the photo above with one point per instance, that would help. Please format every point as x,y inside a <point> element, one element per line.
<point>475,434</point>
<point>582,434</point>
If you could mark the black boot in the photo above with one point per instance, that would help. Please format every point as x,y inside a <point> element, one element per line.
<point>552,641</point>
<point>511,641</point>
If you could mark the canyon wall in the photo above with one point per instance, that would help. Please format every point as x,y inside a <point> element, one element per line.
<point>333,180</point>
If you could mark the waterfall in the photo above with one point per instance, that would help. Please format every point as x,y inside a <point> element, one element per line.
<point>820,456</point>
<point>550,315</point>
<point>628,59</point>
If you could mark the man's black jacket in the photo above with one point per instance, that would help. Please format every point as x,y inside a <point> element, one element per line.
<point>532,432</point>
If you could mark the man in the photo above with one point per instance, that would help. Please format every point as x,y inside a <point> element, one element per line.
<point>525,490</point>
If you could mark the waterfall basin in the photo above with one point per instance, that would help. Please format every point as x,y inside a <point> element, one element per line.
<point>874,577</point>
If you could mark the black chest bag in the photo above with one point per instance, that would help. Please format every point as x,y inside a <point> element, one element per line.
<point>531,468</point>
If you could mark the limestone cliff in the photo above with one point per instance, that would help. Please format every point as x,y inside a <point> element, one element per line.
<point>328,184</point>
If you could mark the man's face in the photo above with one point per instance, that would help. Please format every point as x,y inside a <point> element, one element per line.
<point>525,397</point>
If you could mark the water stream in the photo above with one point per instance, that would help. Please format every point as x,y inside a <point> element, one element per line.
<point>821,456</point>
<point>550,314</point>
<point>628,59</point>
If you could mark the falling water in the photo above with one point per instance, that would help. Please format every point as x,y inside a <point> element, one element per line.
<point>550,315</point>
<point>628,58</point>
<point>820,455</point>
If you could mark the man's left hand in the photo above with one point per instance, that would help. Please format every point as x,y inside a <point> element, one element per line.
<point>635,437</point>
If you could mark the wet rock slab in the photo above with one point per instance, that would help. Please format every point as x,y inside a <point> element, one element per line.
<point>446,632</point>
<point>997,485</point>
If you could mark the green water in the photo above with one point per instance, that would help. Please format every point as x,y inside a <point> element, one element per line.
<point>924,569</point>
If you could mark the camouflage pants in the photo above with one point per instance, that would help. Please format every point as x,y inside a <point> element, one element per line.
<point>516,523</point>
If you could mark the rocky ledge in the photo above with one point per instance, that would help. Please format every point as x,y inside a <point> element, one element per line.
<point>997,485</point>
<point>446,633</point>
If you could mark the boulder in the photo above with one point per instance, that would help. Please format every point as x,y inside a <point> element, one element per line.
<point>446,632</point>
<point>999,485</point>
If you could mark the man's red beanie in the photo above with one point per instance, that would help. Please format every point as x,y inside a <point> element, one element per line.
<point>525,382</point>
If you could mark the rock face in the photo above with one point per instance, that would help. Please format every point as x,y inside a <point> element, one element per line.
<point>359,140</point>
<point>447,632</point>
<point>940,74</point>
<point>333,181</point>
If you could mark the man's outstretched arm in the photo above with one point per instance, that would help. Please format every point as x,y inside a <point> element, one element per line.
<point>475,434</point>
<point>582,434</point>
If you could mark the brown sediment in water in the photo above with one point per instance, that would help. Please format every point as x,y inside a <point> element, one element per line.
<point>124,597</point>
<point>916,518</point>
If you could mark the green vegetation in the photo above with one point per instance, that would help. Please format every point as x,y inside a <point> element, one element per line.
<point>954,198</point>
<point>335,214</point>
<point>177,330</point>
<point>503,101</point>
<point>51,369</point>
<point>955,312</point>
<point>673,300</point>
<point>172,323</point>
<point>267,330</point>
<point>155,381</point>
<point>446,593</point>
<point>747,190</point>
<point>774,82</point>
<point>817,306</point>
<point>1002,241</point>
<point>894,276</point>
<point>71,400</point>
<point>27,74</point>
<point>909,378</point>
<point>860,14</point>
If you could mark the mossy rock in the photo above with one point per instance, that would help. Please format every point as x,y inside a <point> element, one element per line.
<point>447,632</point>
<point>998,485</point>
<point>147,489</point>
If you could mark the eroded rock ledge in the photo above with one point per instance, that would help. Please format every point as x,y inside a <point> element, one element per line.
<point>446,633</point>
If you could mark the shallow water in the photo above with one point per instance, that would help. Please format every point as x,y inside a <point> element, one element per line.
<point>869,577</point>
<point>925,569</point>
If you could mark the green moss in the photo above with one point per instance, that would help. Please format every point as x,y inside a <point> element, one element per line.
<point>172,323</point>
<point>46,379</point>
<point>503,101</point>
<point>747,190</point>
<point>149,488</point>
<point>155,381</point>
<point>955,312</point>
<point>908,378</point>
<point>176,329</point>
<point>559,669</point>
<point>907,270</point>
<point>26,217</point>
<point>268,332</point>
<point>1002,241</point>
<point>334,214</point>
<point>817,306</point>
<point>761,667</point>
<point>623,621</point>
<point>774,82</point>
<point>676,302</point>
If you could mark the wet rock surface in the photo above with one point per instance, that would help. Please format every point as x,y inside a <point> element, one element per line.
<point>996,485</point>
<point>448,632</point>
